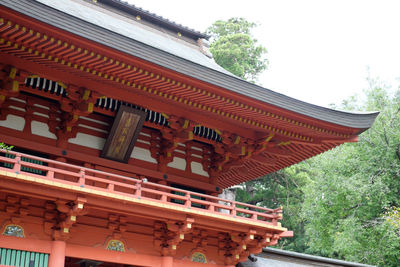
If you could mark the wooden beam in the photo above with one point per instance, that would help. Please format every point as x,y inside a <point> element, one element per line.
<point>101,254</point>
<point>28,244</point>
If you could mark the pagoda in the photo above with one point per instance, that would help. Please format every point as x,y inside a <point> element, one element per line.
<point>125,131</point>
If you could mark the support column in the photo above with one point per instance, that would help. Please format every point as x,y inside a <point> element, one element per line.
<point>57,255</point>
<point>167,261</point>
<point>163,198</point>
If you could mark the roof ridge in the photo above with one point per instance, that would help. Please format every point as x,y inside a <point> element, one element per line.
<point>153,17</point>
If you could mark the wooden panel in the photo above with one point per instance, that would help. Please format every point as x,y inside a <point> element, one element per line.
<point>123,134</point>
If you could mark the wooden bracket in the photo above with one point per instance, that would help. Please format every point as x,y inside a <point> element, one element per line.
<point>10,80</point>
<point>79,102</point>
<point>61,216</point>
<point>117,224</point>
<point>180,131</point>
<point>199,238</point>
<point>168,235</point>
<point>17,207</point>
<point>237,246</point>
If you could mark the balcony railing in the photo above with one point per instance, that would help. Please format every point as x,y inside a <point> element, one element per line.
<point>138,187</point>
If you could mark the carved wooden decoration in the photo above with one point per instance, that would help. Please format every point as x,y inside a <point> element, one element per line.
<point>14,230</point>
<point>123,134</point>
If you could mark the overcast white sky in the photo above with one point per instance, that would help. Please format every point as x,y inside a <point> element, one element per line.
<point>319,50</point>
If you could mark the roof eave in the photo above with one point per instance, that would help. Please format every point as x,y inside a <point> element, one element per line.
<point>313,258</point>
<point>241,88</point>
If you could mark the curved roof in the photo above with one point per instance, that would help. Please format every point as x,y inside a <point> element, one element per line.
<point>154,18</point>
<point>126,35</point>
<point>273,257</point>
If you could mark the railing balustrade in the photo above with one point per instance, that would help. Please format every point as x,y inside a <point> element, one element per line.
<point>137,186</point>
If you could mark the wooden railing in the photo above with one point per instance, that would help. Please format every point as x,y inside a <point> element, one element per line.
<point>137,186</point>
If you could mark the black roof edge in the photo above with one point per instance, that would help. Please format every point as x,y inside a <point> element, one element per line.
<point>313,258</point>
<point>153,18</point>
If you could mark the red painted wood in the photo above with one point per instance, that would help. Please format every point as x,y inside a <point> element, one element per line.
<point>27,141</point>
<point>27,244</point>
<point>57,254</point>
<point>109,182</point>
<point>84,252</point>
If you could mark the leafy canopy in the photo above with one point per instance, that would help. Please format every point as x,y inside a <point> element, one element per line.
<point>231,26</point>
<point>5,147</point>
<point>235,49</point>
<point>344,203</point>
<point>352,203</point>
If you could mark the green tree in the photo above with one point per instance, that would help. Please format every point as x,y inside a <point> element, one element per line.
<point>282,188</point>
<point>235,49</point>
<point>5,147</point>
<point>351,203</point>
<point>344,203</point>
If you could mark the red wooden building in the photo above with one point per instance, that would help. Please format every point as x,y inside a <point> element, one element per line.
<point>126,131</point>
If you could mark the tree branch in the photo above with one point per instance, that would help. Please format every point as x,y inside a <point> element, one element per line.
<point>398,151</point>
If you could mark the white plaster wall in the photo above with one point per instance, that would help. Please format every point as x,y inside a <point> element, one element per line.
<point>42,129</point>
<point>88,141</point>
<point>13,122</point>
<point>197,168</point>
<point>41,106</point>
<point>142,154</point>
<point>41,115</point>
<point>92,128</point>
<point>17,108</point>
<point>197,148</point>
<point>17,99</point>
<point>178,163</point>
<point>93,120</point>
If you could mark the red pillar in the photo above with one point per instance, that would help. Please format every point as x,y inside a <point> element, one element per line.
<point>167,261</point>
<point>57,255</point>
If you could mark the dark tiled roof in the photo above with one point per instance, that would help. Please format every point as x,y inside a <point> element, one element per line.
<point>83,20</point>
<point>271,257</point>
<point>154,18</point>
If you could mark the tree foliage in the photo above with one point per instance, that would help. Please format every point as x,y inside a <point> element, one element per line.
<point>282,188</point>
<point>5,147</point>
<point>345,203</point>
<point>235,49</point>
<point>350,205</point>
